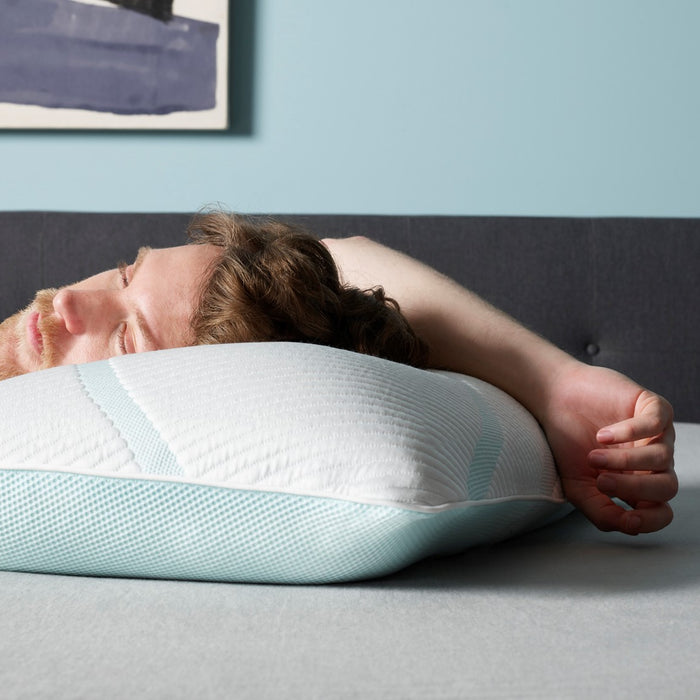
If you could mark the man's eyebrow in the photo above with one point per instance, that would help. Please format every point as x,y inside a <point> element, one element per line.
<point>143,252</point>
<point>148,341</point>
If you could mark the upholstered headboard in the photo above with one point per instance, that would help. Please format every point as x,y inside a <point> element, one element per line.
<point>614,292</point>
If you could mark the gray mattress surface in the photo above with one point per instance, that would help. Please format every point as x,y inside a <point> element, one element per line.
<point>563,612</point>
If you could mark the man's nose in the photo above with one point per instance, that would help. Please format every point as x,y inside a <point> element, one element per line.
<point>82,310</point>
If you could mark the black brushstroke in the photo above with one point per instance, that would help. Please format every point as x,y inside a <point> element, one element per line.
<point>158,9</point>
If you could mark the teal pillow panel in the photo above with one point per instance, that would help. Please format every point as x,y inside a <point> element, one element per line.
<point>273,462</point>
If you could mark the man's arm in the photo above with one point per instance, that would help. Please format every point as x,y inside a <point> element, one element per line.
<point>609,436</point>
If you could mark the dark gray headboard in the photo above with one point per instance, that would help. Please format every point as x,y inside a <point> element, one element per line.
<point>615,292</point>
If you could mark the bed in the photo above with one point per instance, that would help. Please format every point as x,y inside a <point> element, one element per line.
<point>564,611</point>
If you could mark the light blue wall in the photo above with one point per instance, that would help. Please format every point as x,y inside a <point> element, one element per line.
<point>545,107</point>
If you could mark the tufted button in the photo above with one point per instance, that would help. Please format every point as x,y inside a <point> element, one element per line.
<point>592,349</point>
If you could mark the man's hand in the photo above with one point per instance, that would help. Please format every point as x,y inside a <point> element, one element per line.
<point>612,439</point>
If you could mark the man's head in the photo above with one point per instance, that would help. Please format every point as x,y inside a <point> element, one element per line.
<point>147,305</point>
<point>241,280</point>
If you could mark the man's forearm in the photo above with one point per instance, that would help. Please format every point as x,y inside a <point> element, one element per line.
<point>600,425</point>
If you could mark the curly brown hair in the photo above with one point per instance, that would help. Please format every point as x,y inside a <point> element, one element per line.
<point>275,281</point>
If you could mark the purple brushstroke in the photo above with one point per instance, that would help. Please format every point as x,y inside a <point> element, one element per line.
<point>59,53</point>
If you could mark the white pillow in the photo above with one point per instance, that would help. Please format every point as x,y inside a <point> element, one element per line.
<point>271,462</point>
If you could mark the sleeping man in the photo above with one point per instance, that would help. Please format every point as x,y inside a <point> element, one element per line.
<point>244,280</point>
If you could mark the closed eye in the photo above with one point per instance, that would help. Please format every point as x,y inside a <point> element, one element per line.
<point>121,339</point>
<point>134,336</point>
<point>123,269</point>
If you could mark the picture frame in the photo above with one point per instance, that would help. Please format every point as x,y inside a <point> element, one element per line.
<point>114,64</point>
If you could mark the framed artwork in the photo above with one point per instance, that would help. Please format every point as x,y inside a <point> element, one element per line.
<point>114,64</point>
